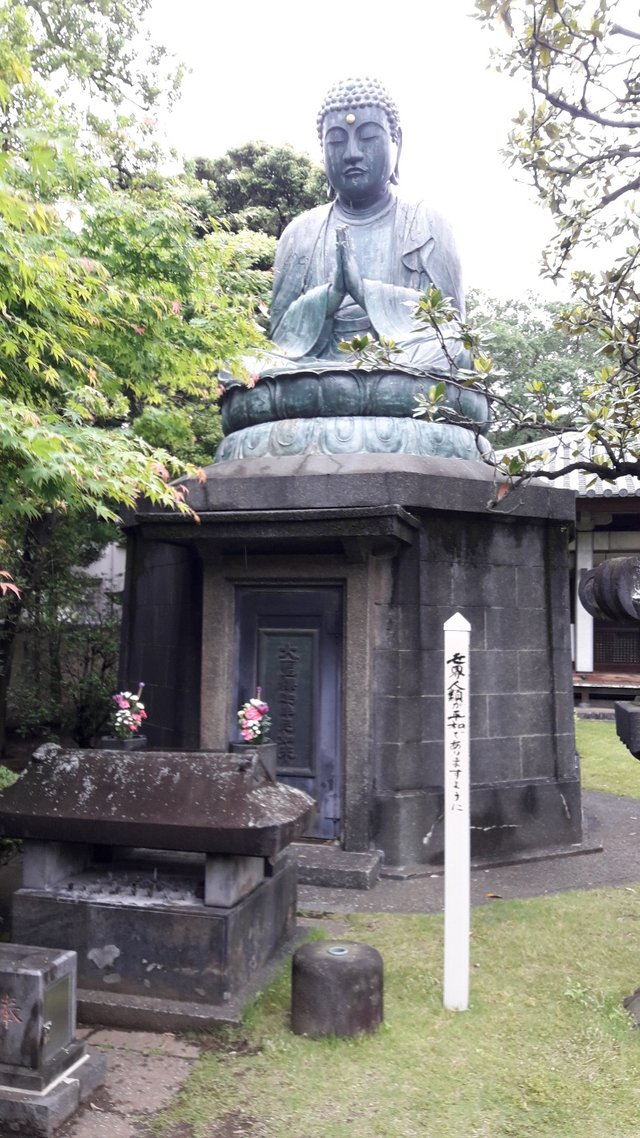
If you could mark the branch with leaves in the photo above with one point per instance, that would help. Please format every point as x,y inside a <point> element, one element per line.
<point>579,143</point>
<point>597,407</point>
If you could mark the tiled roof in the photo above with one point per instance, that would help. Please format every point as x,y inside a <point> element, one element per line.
<point>559,452</point>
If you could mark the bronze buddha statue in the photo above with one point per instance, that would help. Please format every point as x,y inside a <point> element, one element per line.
<point>357,265</point>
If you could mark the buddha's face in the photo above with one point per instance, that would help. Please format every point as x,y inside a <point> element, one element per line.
<point>359,155</point>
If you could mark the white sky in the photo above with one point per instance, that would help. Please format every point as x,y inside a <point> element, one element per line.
<point>261,69</point>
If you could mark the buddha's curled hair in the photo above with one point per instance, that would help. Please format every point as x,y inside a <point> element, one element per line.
<point>351,94</point>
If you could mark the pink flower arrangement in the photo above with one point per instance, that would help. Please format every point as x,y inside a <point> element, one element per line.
<point>254,721</point>
<point>130,713</point>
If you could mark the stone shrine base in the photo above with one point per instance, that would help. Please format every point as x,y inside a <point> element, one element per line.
<point>171,965</point>
<point>174,884</point>
<point>406,542</point>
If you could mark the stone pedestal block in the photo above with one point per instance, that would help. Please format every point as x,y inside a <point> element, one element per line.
<point>37,1015</point>
<point>44,1071</point>
<point>45,864</point>
<point>264,753</point>
<point>337,989</point>
<point>228,879</point>
<point>508,820</point>
<point>171,946</point>
<point>405,542</point>
<point>27,1114</point>
<point>135,743</point>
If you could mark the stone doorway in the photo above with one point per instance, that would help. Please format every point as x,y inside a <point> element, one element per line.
<point>289,643</point>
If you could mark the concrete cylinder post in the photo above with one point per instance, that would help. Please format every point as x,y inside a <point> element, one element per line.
<point>337,989</point>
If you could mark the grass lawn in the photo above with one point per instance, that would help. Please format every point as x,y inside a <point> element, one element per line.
<point>545,1049</point>
<point>606,764</point>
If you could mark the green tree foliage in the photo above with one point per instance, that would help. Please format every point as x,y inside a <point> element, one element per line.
<point>199,310</point>
<point>579,144</point>
<point>526,344</point>
<point>109,307</point>
<point>99,45</point>
<point>55,390</point>
<point>258,187</point>
<point>69,634</point>
<point>99,60</point>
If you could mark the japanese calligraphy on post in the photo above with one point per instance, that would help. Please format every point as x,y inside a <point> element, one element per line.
<point>457,723</point>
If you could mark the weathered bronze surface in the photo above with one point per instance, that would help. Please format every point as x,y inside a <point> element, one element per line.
<point>357,267</point>
<point>360,263</point>
<point>353,434</point>
<point>303,394</point>
<point>611,590</point>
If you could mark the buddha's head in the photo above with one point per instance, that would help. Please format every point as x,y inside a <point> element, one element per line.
<point>359,129</point>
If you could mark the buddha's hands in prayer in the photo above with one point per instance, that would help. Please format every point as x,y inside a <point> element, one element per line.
<point>350,270</point>
<point>347,278</point>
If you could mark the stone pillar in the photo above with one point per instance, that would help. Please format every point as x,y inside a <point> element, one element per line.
<point>228,879</point>
<point>46,864</point>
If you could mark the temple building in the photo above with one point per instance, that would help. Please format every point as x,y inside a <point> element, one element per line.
<point>606,656</point>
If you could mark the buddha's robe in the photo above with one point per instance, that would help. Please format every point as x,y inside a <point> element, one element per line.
<point>400,252</point>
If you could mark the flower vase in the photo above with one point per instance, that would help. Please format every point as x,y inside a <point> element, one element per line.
<point>135,743</point>
<point>267,753</point>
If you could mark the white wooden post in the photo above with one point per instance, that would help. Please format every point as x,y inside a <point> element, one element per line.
<point>457,845</point>
<point>584,622</point>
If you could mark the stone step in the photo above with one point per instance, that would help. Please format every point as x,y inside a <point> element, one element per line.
<point>328,865</point>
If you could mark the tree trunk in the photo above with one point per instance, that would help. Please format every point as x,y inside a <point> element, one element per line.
<point>32,542</point>
<point>12,611</point>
